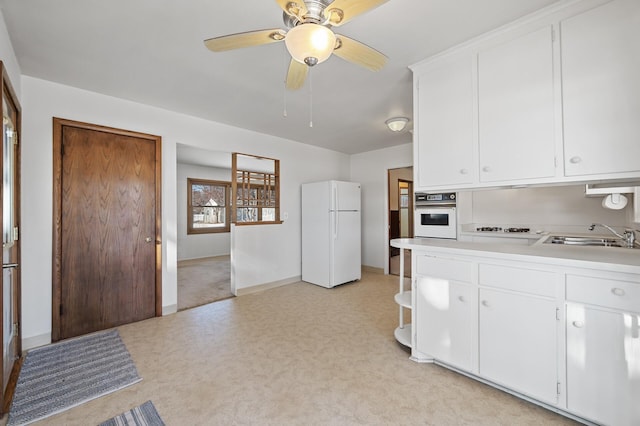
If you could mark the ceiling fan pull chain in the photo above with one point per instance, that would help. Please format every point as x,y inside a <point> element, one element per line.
<point>285,55</point>
<point>310,97</point>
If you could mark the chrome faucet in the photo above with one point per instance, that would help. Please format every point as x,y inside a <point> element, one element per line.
<point>629,235</point>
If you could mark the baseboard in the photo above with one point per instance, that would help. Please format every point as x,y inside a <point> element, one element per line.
<point>169,309</point>
<point>267,286</point>
<point>35,341</point>
<point>182,262</point>
<point>372,269</point>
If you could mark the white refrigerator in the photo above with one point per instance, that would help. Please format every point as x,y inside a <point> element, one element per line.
<point>331,246</point>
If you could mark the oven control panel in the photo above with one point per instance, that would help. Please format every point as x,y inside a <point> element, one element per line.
<point>444,198</point>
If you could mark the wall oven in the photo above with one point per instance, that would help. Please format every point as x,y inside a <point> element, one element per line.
<point>435,215</point>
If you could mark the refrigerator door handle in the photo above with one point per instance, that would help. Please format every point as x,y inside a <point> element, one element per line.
<point>335,225</point>
<point>335,199</point>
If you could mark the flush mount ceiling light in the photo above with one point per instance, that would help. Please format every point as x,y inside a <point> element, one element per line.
<point>397,124</point>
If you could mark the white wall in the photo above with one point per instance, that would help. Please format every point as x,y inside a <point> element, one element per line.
<point>196,246</point>
<point>277,245</point>
<point>370,169</point>
<point>555,207</point>
<point>8,58</point>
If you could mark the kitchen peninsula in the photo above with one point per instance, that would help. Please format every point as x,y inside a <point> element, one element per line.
<point>556,325</point>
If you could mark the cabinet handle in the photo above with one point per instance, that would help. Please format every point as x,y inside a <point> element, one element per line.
<point>486,169</point>
<point>464,171</point>
<point>578,324</point>
<point>575,160</point>
<point>618,291</point>
<point>462,299</point>
<point>486,304</point>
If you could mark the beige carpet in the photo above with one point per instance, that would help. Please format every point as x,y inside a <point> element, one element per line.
<point>299,354</point>
<point>202,281</point>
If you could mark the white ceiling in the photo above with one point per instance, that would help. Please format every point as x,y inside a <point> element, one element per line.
<point>152,51</point>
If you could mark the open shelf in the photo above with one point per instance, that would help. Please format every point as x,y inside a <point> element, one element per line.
<point>403,335</point>
<point>403,299</point>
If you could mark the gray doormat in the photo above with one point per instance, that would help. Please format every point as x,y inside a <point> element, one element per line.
<point>142,415</point>
<point>63,375</point>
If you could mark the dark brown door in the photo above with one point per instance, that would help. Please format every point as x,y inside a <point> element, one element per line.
<point>10,216</point>
<point>108,229</point>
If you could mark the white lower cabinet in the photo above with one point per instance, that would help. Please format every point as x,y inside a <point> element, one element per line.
<point>518,342</point>
<point>562,335</point>
<point>603,365</point>
<point>603,349</point>
<point>445,309</point>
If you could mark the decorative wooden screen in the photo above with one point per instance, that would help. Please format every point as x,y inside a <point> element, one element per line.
<point>256,189</point>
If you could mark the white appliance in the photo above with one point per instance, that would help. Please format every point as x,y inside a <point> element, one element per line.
<point>435,215</point>
<point>331,245</point>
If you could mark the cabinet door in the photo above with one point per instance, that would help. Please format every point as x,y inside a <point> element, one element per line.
<point>445,124</point>
<point>518,346</point>
<point>603,365</point>
<point>445,318</point>
<point>601,89</point>
<point>516,109</point>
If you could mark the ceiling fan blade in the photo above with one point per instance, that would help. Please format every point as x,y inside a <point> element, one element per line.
<point>247,39</point>
<point>342,11</point>
<point>295,8</point>
<point>296,75</point>
<point>359,53</point>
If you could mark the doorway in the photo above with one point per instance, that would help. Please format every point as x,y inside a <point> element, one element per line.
<point>400,215</point>
<point>204,261</point>
<point>107,228</point>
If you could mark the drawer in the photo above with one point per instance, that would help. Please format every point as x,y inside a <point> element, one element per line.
<point>533,281</point>
<point>615,294</point>
<point>448,269</point>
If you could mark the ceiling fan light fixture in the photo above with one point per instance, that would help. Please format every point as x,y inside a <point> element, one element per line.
<point>397,124</point>
<point>310,43</point>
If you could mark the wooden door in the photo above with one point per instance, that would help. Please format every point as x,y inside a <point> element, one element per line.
<point>107,228</point>
<point>10,294</point>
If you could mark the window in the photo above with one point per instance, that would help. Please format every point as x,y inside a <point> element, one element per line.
<point>208,206</point>
<point>256,187</point>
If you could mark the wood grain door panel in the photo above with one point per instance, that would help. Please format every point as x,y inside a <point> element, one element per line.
<point>108,229</point>
<point>10,293</point>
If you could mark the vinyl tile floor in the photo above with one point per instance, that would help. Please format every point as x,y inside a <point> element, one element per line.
<point>299,354</point>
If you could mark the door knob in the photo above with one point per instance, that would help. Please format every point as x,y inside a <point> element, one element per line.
<point>148,239</point>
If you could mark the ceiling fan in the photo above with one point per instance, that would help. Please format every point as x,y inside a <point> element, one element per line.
<point>309,37</point>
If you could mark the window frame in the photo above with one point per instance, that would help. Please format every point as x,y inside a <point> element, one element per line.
<point>227,212</point>
<point>241,179</point>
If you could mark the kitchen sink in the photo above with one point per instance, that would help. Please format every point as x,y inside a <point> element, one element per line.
<point>585,241</point>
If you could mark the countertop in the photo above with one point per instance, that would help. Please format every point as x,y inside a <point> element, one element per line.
<point>604,258</point>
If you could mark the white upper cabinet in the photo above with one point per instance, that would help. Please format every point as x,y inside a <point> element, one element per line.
<point>551,99</point>
<point>601,89</point>
<point>516,109</point>
<point>444,127</point>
